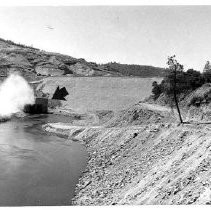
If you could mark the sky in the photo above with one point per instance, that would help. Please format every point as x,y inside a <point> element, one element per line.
<point>144,35</point>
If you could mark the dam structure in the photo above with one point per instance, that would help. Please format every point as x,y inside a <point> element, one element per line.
<point>39,107</point>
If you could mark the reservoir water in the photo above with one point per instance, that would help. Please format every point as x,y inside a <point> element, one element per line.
<point>36,168</point>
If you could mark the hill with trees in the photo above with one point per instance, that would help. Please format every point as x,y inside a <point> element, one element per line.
<point>135,70</point>
<point>191,87</point>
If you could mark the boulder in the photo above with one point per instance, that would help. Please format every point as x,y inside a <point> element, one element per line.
<point>49,70</point>
<point>81,69</point>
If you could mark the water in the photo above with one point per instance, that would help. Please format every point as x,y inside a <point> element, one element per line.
<point>35,168</point>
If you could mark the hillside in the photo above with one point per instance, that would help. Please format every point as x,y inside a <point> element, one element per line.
<point>135,70</point>
<point>33,63</point>
<point>141,155</point>
<point>195,105</point>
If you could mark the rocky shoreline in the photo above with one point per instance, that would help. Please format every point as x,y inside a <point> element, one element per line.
<point>141,156</point>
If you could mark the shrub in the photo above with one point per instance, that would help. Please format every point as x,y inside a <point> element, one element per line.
<point>196,101</point>
<point>185,83</point>
<point>156,90</point>
<point>207,77</point>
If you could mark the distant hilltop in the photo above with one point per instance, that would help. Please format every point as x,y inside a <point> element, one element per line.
<point>33,63</point>
<point>135,70</point>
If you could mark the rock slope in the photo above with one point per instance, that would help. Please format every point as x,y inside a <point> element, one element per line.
<point>143,161</point>
<point>33,63</point>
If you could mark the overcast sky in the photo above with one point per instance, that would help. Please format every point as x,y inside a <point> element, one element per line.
<point>140,35</point>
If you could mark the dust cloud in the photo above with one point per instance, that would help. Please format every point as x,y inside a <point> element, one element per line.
<point>15,93</point>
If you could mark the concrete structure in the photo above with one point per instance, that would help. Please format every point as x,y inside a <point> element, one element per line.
<point>40,106</point>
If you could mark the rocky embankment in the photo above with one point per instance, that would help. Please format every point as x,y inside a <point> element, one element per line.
<point>142,156</point>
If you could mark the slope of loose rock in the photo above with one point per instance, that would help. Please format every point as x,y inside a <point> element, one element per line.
<point>158,162</point>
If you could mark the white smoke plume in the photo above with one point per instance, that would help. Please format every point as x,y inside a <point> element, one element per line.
<point>15,93</point>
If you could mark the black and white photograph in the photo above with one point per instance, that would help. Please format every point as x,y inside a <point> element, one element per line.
<point>105,104</point>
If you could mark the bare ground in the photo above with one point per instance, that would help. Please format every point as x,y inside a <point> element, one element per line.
<point>143,156</point>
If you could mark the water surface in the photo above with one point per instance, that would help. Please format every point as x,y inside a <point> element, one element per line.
<point>36,168</point>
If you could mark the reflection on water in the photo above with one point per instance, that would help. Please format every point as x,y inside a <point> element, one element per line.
<point>35,168</point>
